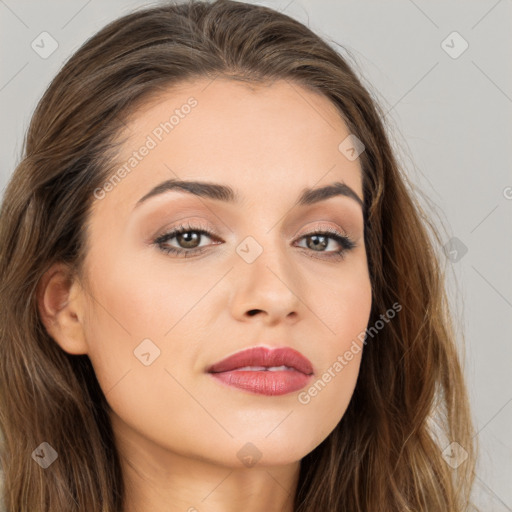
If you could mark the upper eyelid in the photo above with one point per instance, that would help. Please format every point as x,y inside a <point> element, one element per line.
<point>192,215</point>
<point>210,232</point>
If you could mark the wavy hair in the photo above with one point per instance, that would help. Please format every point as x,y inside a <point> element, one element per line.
<point>410,400</point>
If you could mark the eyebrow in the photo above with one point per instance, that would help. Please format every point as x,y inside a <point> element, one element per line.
<point>225,193</point>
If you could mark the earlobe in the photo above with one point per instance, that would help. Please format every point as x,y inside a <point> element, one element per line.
<point>60,304</point>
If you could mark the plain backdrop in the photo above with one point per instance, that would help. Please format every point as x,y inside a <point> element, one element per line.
<point>441,71</point>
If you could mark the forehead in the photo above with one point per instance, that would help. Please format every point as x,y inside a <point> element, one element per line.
<point>270,139</point>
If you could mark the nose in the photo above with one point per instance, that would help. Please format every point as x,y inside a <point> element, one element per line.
<point>268,289</point>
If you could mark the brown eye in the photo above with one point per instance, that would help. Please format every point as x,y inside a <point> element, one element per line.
<point>317,241</point>
<point>189,239</point>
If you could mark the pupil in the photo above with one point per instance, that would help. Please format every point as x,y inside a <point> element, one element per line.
<point>315,239</point>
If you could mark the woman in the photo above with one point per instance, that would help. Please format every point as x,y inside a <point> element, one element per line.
<point>218,292</point>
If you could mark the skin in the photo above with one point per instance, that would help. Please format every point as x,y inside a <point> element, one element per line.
<point>177,429</point>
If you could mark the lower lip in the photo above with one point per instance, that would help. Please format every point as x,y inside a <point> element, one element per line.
<point>264,382</point>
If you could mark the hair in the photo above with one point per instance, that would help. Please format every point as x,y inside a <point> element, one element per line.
<point>386,452</point>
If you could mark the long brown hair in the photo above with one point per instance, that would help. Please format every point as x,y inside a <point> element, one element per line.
<point>385,454</point>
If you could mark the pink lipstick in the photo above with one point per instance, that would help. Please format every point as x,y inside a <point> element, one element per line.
<point>264,371</point>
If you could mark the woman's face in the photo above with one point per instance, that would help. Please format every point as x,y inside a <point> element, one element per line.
<point>155,321</point>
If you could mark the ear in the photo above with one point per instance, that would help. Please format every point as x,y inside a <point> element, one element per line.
<point>60,300</point>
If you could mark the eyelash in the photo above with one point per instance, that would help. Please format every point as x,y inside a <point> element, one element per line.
<point>346,243</point>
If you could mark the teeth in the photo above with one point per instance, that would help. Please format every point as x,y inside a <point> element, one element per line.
<point>264,368</point>
<point>278,368</point>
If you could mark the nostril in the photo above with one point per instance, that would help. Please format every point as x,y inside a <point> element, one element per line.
<point>253,312</point>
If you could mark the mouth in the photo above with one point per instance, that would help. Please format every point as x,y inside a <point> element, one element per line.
<point>264,371</point>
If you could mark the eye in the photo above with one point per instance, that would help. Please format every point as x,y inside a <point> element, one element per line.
<point>189,239</point>
<point>319,240</point>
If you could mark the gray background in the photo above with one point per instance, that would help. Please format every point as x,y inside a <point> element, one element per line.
<point>450,119</point>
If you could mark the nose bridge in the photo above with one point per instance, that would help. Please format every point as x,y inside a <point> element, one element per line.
<point>264,259</point>
<point>264,278</point>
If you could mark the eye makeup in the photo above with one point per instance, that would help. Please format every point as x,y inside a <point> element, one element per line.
<point>189,235</point>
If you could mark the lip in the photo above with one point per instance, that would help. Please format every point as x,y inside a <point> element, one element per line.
<point>233,370</point>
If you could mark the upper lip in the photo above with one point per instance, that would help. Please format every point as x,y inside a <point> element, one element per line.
<point>263,356</point>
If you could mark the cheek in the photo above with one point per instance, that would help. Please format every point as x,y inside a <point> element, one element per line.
<point>123,311</point>
<point>343,311</point>
<point>342,303</point>
<point>144,313</point>
<point>129,314</point>
<point>134,299</point>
